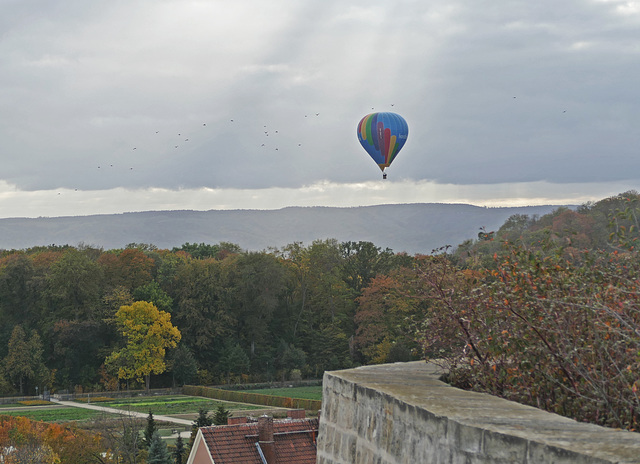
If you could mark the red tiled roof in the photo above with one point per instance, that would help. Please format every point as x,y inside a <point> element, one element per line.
<point>295,442</point>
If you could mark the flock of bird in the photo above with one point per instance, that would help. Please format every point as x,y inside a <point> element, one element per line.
<point>173,143</point>
<point>162,144</point>
<point>265,144</point>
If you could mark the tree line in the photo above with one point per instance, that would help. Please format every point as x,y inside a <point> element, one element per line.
<point>241,316</point>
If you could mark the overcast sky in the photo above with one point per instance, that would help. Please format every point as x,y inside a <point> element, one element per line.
<point>131,105</point>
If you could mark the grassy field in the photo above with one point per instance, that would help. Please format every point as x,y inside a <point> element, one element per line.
<point>56,414</point>
<point>306,393</point>
<point>158,405</point>
<point>178,404</point>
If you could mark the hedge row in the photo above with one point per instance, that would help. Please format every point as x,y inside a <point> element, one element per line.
<point>252,398</point>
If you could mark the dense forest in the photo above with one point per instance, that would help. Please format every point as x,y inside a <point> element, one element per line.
<point>242,316</point>
<point>543,310</point>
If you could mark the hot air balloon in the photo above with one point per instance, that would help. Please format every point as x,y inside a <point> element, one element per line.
<point>383,135</point>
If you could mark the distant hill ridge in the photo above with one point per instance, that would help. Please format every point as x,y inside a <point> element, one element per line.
<point>412,228</point>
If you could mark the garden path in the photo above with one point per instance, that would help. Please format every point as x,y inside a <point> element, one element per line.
<point>95,407</point>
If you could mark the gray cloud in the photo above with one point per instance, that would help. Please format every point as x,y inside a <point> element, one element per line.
<point>97,95</point>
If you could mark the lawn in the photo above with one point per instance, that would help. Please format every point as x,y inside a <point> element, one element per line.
<point>55,414</point>
<point>158,405</point>
<point>169,405</point>
<point>305,393</point>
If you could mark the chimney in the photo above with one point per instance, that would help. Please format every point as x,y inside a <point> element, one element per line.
<point>237,420</point>
<point>265,439</point>
<point>296,414</point>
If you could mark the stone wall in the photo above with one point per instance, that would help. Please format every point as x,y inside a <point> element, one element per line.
<point>403,413</point>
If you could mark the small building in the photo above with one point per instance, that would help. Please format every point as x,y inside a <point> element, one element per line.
<point>267,441</point>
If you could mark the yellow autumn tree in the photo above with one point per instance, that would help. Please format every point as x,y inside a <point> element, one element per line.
<point>148,333</point>
<point>25,441</point>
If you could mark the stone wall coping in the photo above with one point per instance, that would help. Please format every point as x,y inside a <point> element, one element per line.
<point>417,384</point>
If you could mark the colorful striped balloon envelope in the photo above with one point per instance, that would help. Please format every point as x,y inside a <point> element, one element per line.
<point>383,135</point>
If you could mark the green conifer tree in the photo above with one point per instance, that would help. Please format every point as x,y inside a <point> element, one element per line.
<point>158,452</point>
<point>179,451</point>
<point>149,430</point>
<point>221,416</point>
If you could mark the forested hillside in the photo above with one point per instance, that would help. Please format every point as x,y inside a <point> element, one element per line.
<point>543,310</point>
<point>601,225</point>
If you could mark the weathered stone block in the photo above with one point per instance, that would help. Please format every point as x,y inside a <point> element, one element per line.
<point>505,447</point>
<point>539,453</point>
<point>465,438</point>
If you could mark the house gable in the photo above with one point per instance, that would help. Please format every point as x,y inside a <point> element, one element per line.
<point>200,451</point>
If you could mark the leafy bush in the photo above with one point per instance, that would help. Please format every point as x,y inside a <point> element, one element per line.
<point>556,329</point>
<point>24,440</point>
